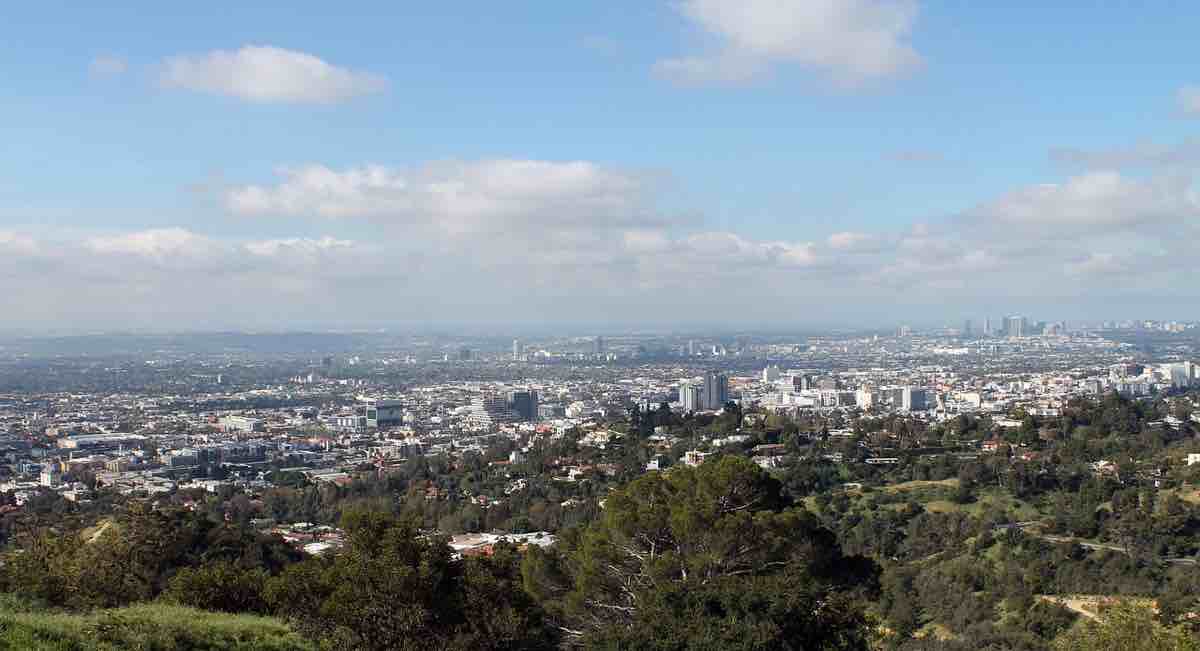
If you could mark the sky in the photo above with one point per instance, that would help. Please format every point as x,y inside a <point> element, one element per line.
<point>742,162</point>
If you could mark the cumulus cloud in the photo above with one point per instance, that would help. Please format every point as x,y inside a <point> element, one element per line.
<point>849,41</point>
<point>107,65</point>
<point>300,246</point>
<point>848,239</point>
<point>733,249</point>
<point>583,241</point>
<point>157,244</point>
<point>1098,264</point>
<point>458,197</point>
<point>260,73</point>
<point>583,229</point>
<point>1096,200</point>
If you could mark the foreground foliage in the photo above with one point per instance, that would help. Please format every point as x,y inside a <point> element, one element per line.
<point>1129,627</point>
<point>145,627</point>
<point>707,557</point>
<point>391,588</point>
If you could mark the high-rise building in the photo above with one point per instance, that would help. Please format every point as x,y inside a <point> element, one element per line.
<point>465,354</point>
<point>987,327</point>
<point>1015,326</point>
<point>716,390</point>
<point>598,346</point>
<point>380,412</point>
<point>490,409</point>
<point>516,349</point>
<point>691,397</point>
<point>524,403</point>
<point>770,373</point>
<point>691,348</point>
<point>967,330</point>
<point>913,399</point>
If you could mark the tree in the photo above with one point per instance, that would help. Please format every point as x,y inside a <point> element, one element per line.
<point>391,588</point>
<point>707,557</point>
<point>1129,627</point>
<point>219,586</point>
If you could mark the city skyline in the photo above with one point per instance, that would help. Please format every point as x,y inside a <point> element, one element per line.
<point>749,164</point>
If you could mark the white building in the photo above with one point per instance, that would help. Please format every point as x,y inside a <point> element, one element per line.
<point>244,424</point>
<point>691,397</point>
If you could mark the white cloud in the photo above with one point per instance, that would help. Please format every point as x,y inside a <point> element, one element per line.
<point>848,240</point>
<point>306,247</point>
<point>458,197</point>
<point>850,41</point>
<point>13,242</point>
<point>1096,200</point>
<point>107,65</point>
<point>268,74</point>
<point>1189,100</point>
<point>1097,264</point>
<point>581,241</point>
<point>732,249</point>
<point>646,241</point>
<point>161,245</point>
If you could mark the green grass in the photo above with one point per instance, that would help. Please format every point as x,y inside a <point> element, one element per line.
<point>146,627</point>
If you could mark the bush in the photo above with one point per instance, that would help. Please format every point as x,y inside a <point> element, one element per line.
<point>219,586</point>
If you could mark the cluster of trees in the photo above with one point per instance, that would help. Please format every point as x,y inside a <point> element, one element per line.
<point>132,557</point>
<point>710,557</point>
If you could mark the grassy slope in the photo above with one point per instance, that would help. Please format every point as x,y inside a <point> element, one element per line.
<point>149,626</point>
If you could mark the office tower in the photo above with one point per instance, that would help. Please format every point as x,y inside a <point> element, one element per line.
<point>770,373</point>
<point>524,403</point>
<point>516,349</point>
<point>691,396</point>
<point>691,348</point>
<point>380,412</point>
<point>1015,326</point>
<point>987,327</point>
<point>967,329</point>
<point>716,390</point>
<point>913,399</point>
<point>598,346</point>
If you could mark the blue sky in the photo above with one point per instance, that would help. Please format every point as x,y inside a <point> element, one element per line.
<point>737,136</point>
